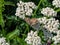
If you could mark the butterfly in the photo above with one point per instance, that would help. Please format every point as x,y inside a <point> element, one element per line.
<point>33,23</point>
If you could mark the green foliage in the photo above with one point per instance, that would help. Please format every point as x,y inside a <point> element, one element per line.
<point>11,35</point>
<point>15,29</point>
<point>1,10</point>
<point>9,3</point>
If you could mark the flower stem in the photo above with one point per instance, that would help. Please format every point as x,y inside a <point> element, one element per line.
<point>37,8</point>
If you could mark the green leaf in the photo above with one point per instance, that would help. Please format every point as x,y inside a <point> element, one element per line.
<point>21,41</point>
<point>1,10</point>
<point>9,3</point>
<point>11,35</point>
<point>58,10</point>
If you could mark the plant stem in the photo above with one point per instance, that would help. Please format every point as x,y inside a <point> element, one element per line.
<point>2,24</point>
<point>27,28</point>
<point>1,16</point>
<point>37,8</point>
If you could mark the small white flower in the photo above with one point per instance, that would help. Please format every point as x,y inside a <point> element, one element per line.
<point>37,41</point>
<point>51,24</point>
<point>48,12</point>
<point>22,16</point>
<point>32,5</point>
<point>33,38</point>
<point>58,32</point>
<point>24,9</point>
<point>42,20</point>
<point>3,41</point>
<point>56,3</point>
<point>57,37</point>
<point>29,12</point>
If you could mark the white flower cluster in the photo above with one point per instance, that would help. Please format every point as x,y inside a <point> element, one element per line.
<point>24,9</point>
<point>56,3</point>
<point>51,24</point>
<point>57,37</point>
<point>3,41</point>
<point>48,12</point>
<point>33,38</point>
